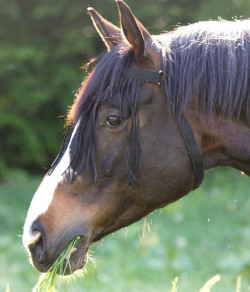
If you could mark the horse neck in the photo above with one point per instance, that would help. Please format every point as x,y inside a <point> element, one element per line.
<point>223,142</point>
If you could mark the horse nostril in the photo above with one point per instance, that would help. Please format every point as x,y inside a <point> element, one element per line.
<point>36,247</point>
<point>35,238</point>
<point>36,243</point>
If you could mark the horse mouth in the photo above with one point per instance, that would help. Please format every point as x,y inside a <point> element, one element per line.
<point>76,258</point>
<point>72,258</point>
<point>66,261</point>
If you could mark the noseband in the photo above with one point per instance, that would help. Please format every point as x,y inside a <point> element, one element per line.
<point>185,128</point>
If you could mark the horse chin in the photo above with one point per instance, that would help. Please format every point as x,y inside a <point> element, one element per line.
<point>78,260</point>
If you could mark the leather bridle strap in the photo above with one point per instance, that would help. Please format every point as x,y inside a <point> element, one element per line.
<point>193,149</point>
<point>187,133</point>
<point>146,75</point>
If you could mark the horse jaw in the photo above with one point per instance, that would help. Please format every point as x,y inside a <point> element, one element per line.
<point>223,142</point>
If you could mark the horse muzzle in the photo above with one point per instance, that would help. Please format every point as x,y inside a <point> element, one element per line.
<point>44,254</point>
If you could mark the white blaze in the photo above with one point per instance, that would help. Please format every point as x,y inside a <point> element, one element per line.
<point>45,192</point>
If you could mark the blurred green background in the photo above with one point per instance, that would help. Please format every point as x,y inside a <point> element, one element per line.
<point>43,45</point>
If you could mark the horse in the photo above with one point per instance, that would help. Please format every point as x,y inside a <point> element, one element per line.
<point>155,112</point>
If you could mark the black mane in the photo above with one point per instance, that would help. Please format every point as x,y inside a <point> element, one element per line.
<point>205,63</point>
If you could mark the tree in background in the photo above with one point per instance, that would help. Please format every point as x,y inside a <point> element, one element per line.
<point>44,43</point>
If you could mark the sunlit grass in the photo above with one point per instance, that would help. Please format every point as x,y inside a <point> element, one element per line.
<point>238,284</point>
<point>206,288</point>
<point>210,283</point>
<point>175,285</point>
<point>7,288</point>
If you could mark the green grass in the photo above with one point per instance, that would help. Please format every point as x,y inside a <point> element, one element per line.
<point>47,281</point>
<point>204,234</point>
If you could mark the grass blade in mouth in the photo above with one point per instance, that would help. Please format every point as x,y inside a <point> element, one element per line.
<point>46,282</point>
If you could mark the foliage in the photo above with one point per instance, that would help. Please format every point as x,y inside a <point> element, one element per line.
<point>43,45</point>
<point>204,234</point>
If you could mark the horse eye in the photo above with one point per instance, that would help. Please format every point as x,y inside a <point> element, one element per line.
<point>113,120</point>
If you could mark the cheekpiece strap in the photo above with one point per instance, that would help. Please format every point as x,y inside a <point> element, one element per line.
<point>187,133</point>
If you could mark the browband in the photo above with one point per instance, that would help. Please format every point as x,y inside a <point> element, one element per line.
<point>146,75</point>
<point>187,133</point>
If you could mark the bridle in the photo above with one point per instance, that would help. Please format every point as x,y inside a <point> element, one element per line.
<point>185,129</point>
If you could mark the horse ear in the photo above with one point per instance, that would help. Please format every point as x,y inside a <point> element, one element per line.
<point>110,34</point>
<point>135,33</point>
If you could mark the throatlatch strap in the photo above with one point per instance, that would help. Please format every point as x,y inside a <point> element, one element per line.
<point>187,133</point>
<point>193,150</point>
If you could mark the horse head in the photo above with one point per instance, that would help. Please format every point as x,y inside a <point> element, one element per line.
<point>124,155</point>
